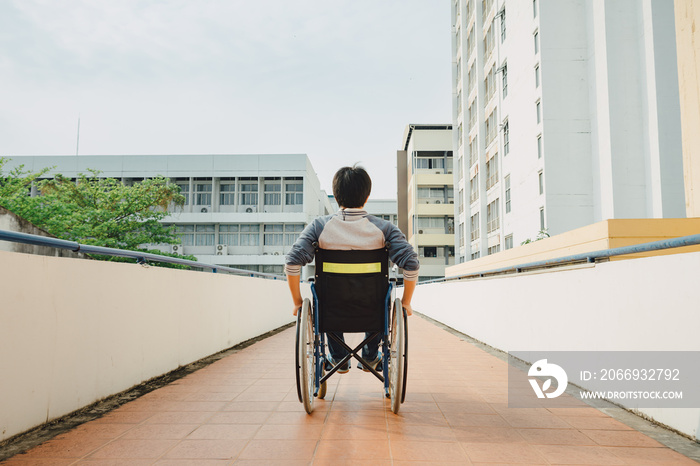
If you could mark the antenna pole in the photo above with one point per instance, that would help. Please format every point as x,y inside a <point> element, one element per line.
<point>77,143</point>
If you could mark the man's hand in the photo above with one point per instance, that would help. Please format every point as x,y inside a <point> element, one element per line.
<point>408,308</point>
<point>297,307</point>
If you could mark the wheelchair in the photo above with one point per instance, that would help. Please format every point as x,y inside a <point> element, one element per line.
<point>352,293</point>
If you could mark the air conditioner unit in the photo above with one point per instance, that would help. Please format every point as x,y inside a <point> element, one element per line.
<point>449,172</point>
<point>276,253</point>
<point>420,232</point>
<point>438,202</point>
<point>251,209</point>
<point>204,210</point>
<point>439,172</point>
<point>221,249</point>
<point>176,248</point>
<point>452,202</point>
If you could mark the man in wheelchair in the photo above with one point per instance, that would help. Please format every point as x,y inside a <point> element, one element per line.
<point>351,229</point>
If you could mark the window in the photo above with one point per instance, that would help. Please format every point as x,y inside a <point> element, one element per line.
<point>473,152</point>
<point>274,235</point>
<point>274,269</point>
<point>186,234</point>
<point>428,251</point>
<point>459,109</point>
<point>537,75</point>
<point>430,163</point>
<point>504,79</point>
<point>494,249</point>
<point>227,193</point>
<point>509,242</point>
<point>450,250</point>
<point>534,8</point>
<point>492,217</point>
<point>538,109</point>
<point>486,6</point>
<point>491,172</point>
<point>461,201</point>
<point>228,234</point>
<point>460,166</point>
<point>489,40</point>
<point>474,227</point>
<point>506,138</point>
<point>542,226</point>
<point>461,235</point>
<point>434,193</point>
<point>490,84</point>
<point>430,222</point>
<point>507,183</point>
<point>184,189</point>
<point>203,194</point>
<point>249,193</point>
<point>474,189</point>
<point>540,178</point>
<point>491,128</point>
<point>294,191</point>
<point>475,255</point>
<point>459,134</point>
<point>539,146</point>
<point>503,24</point>
<point>537,42</point>
<point>459,70</point>
<point>204,235</point>
<point>472,78</point>
<point>291,232</point>
<point>273,192</point>
<point>472,114</point>
<point>250,235</point>
<point>471,42</point>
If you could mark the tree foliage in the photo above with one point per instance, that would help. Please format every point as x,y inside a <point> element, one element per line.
<point>93,210</point>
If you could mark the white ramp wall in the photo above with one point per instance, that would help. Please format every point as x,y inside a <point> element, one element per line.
<point>649,304</point>
<point>75,331</point>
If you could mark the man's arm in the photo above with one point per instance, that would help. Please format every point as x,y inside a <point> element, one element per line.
<point>293,282</point>
<point>408,287</point>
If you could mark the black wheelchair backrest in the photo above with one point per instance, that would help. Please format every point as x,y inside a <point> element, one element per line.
<point>352,287</point>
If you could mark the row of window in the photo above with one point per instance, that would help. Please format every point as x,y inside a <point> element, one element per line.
<point>275,234</point>
<point>244,191</point>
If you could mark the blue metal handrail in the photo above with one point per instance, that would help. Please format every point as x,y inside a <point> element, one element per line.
<point>141,257</point>
<point>590,257</point>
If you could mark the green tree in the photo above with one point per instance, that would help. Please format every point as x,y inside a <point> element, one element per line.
<point>93,210</point>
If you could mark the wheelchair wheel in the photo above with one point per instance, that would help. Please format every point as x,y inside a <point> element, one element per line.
<point>405,354</point>
<point>397,356</point>
<point>297,370</point>
<point>305,355</point>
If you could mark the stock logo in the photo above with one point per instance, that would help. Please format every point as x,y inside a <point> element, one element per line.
<point>542,368</point>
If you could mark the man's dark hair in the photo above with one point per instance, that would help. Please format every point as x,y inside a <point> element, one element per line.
<point>351,186</point>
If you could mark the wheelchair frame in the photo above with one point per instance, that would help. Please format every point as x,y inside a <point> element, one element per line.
<point>311,355</point>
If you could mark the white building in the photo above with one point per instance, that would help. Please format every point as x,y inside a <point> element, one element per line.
<point>566,113</point>
<point>241,211</point>
<point>426,196</point>
<point>382,208</point>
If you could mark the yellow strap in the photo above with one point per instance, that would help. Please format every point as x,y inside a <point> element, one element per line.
<point>334,267</point>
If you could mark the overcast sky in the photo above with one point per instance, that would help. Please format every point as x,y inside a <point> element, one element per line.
<point>335,79</point>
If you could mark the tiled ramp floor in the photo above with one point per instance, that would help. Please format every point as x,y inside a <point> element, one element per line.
<point>243,409</point>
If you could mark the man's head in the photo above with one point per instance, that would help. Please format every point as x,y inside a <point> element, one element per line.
<point>351,187</point>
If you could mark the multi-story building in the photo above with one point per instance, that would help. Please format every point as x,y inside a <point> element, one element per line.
<point>426,196</point>
<point>242,211</point>
<point>566,113</point>
<point>382,208</point>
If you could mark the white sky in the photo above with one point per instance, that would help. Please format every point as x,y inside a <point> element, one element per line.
<point>336,79</point>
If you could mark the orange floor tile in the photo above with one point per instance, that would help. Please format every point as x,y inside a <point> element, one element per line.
<point>243,409</point>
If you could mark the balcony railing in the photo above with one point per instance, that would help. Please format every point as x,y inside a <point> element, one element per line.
<point>141,257</point>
